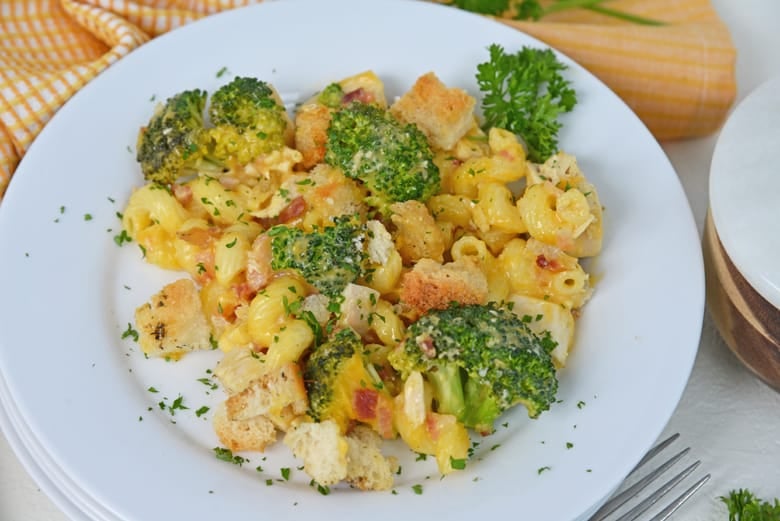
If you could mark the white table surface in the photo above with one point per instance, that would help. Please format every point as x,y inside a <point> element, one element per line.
<point>729,418</point>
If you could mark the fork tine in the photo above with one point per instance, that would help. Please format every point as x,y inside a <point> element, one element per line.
<point>649,501</point>
<point>655,450</point>
<point>623,497</point>
<point>664,514</point>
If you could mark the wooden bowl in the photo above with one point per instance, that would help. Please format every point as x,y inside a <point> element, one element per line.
<point>748,323</point>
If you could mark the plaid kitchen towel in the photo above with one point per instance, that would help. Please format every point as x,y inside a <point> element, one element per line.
<point>679,77</point>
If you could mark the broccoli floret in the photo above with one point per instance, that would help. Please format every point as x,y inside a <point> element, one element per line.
<point>341,387</point>
<point>393,159</point>
<point>480,361</point>
<point>331,96</point>
<point>248,122</point>
<point>168,146</point>
<point>328,258</point>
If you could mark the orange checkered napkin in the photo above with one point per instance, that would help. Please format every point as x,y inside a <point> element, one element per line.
<point>678,77</point>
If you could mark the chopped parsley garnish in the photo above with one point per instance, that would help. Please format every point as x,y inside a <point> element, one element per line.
<point>458,464</point>
<point>130,333</point>
<point>122,238</point>
<point>225,454</point>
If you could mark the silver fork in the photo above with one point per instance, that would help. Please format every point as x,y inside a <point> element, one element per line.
<point>627,493</point>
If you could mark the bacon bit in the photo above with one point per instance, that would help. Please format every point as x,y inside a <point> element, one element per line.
<point>506,154</point>
<point>201,238</point>
<point>205,262</point>
<point>426,345</point>
<point>384,419</point>
<point>258,268</point>
<point>361,95</point>
<point>365,402</point>
<point>325,191</point>
<point>457,162</point>
<point>547,264</point>
<point>432,426</point>
<point>183,194</point>
<point>228,311</point>
<point>244,292</point>
<point>229,182</point>
<point>289,213</point>
<point>292,211</point>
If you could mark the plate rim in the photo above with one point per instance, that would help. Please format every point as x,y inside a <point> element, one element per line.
<point>692,357</point>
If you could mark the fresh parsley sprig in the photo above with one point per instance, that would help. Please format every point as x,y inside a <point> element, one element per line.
<point>743,505</point>
<point>525,93</point>
<point>533,9</point>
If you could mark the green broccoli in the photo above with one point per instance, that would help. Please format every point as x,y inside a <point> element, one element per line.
<point>247,121</point>
<point>480,361</point>
<point>394,160</point>
<point>331,96</point>
<point>328,258</point>
<point>168,146</point>
<point>342,387</point>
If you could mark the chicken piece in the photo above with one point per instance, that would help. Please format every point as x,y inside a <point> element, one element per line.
<point>238,369</point>
<point>358,307</point>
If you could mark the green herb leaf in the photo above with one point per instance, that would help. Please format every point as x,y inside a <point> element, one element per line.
<point>525,93</point>
<point>458,464</point>
<point>491,7</point>
<point>744,505</point>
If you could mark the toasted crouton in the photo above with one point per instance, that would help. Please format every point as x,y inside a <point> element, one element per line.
<point>330,456</point>
<point>417,235</point>
<point>430,285</point>
<point>443,114</point>
<point>322,448</point>
<point>238,435</point>
<point>280,396</point>
<point>311,133</point>
<point>367,468</point>
<point>173,323</point>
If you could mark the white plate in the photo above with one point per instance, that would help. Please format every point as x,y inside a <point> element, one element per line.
<point>745,189</point>
<point>79,394</point>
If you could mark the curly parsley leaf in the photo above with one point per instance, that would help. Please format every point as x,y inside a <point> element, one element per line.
<point>525,93</point>
<point>743,505</point>
<point>529,10</point>
<point>534,10</point>
<point>491,7</point>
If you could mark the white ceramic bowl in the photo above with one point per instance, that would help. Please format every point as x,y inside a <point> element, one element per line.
<point>742,236</point>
